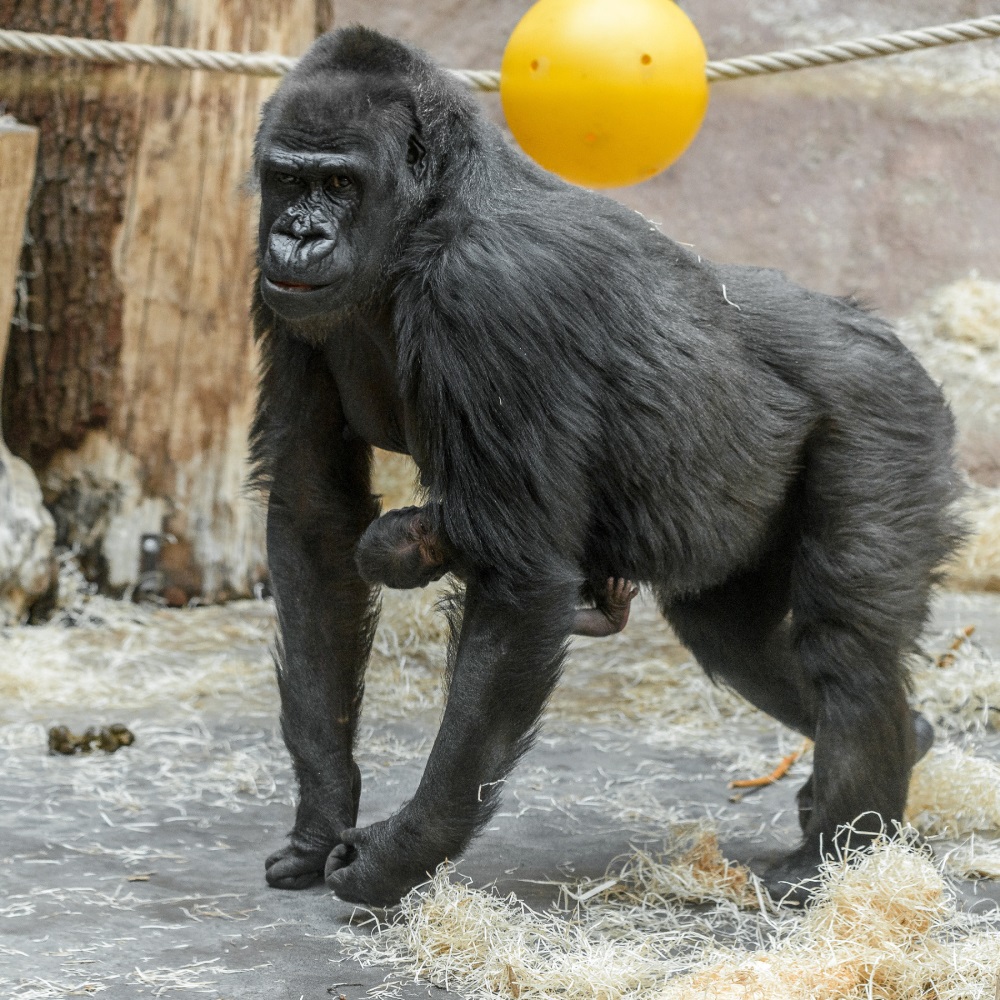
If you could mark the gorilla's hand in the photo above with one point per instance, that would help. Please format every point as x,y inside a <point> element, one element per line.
<point>379,864</point>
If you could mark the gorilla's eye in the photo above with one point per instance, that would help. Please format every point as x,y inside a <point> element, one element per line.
<point>339,181</point>
<point>287,180</point>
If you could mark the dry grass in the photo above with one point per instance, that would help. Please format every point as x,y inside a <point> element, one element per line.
<point>616,937</point>
<point>957,336</point>
<point>955,800</point>
<point>681,923</point>
<point>884,925</point>
<point>962,697</point>
<point>120,656</point>
<point>954,793</point>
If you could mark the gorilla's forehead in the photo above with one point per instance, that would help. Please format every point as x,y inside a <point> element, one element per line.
<point>338,112</point>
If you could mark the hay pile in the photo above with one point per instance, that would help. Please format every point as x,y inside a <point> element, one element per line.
<point>884,925</point>
<point>681,923</point>
<point>955,801</point>
<point>611,938</point>
<point>957,336</point>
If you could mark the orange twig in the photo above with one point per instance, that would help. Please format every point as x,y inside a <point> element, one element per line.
<point>776,775</point>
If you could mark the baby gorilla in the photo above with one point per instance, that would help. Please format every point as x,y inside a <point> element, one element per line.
<point>402,551</point>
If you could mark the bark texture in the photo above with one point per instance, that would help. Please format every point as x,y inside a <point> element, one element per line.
<point>130,387</point>
<point>26,529</point>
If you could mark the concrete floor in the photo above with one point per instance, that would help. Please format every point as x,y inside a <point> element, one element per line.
<point>132,875</point>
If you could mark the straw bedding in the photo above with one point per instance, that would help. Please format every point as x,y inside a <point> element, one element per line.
<point>677,922</point>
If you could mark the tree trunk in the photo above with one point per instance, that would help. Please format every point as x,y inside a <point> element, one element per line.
<point>26,529</point>
<point>130,390</point>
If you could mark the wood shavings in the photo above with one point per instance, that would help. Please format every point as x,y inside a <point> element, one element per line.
<point>135,659</point>
<point>884,925</point>
<point>691,869</point>
<point>963,698</point>
<point>947,659</point>
<point>954,793</point>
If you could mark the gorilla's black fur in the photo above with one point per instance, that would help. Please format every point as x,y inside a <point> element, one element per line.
<point>584,398</point>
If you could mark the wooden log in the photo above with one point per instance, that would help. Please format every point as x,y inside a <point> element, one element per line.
<point>27,532</point>
<point>133,396</point>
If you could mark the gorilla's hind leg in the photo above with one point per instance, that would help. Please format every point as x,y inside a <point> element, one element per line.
<point>860,585</point>
<point>830,673</point>
<point>739,634</point>
<point>923,735</point>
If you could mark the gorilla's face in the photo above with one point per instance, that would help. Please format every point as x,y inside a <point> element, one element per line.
<point>337,188</point>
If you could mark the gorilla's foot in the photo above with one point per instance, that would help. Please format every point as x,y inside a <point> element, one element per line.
<point>302,860</point>
<point>924,735</point>
<point>297,865</point>
<point>923,740</point>
<point>381,863</point>
<point>794,879</point>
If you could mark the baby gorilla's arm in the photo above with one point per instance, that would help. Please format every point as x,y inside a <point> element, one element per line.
<point>611,614</point>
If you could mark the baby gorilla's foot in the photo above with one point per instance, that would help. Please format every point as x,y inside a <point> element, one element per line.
<point>381,863</point>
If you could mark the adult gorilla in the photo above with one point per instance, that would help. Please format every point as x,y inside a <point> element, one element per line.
<point>584,399</point>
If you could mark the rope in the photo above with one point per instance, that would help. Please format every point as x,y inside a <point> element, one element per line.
<point>860,48</point>
<point>271,64</point>
<point>118,53</point>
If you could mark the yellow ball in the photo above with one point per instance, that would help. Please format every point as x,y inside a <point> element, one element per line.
<point>604,92</point>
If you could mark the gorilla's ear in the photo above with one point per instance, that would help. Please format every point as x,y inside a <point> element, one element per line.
<point>416,156</point>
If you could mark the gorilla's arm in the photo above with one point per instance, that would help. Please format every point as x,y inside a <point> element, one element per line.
<point>499,453</point>
<point>319,503</point>
<point>508,660</point>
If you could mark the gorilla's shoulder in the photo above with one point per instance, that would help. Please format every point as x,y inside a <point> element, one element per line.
<point>562,238</point>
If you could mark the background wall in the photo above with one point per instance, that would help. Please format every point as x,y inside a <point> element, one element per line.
<point>877,178</point>
<point>129,380</point>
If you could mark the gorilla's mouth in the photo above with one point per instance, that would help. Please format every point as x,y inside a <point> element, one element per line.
<point>294,286</point>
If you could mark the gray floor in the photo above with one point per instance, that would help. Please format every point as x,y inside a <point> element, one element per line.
<point>170,896</point>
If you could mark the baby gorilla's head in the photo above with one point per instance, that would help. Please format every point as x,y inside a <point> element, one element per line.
<point>399,550</point>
